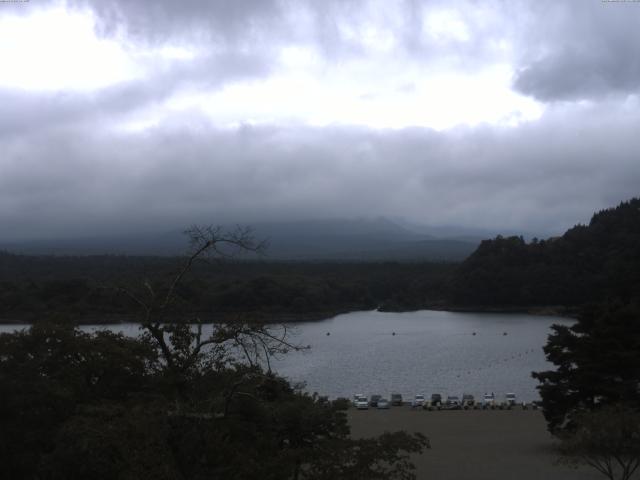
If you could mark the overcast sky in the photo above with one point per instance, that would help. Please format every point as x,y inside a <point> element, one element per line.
<point>123,115</point>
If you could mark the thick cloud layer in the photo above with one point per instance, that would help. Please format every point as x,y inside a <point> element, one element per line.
<point>118,158</point>
<point>536,178</point>
<point>582,50</point>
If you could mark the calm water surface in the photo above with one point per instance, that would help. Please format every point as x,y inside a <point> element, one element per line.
<point>431,352</point>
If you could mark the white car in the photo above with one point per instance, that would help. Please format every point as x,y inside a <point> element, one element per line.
<point>418,401</point>
<point>510,399</point>
<point>488,400</point>
<point>360,402</point>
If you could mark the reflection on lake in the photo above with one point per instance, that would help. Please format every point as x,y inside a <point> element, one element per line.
<point>431,352</point>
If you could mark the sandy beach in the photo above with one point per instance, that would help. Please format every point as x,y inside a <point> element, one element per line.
<point>475,444</point>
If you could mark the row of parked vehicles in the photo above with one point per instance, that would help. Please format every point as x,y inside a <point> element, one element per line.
<point>467,401</point>
<point>452,402</point>
<point>361,402</point>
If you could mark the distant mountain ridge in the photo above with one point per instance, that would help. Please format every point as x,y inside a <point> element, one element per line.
<point>333,239</point>
<point>588,263</point>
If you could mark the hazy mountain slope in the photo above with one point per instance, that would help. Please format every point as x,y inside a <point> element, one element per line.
<point>362,239</point>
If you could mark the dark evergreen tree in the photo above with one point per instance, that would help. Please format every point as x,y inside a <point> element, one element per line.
<point>597,363</point>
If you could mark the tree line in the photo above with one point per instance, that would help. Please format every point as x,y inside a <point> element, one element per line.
<point>87,288</point>
<point>589,263</point>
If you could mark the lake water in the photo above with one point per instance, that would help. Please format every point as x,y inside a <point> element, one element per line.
<point>431,352</point>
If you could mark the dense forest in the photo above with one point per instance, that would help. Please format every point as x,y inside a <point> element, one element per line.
<point>589,263</point>
<point>90,288</point>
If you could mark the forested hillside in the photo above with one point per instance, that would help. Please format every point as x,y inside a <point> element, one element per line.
<point>588,263</point>
<point>89,288</point>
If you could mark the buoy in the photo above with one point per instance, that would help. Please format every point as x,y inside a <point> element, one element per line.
<point>393,333</point>
<point>504,333</point>
<point>474,333</point>
<point>328,334</point>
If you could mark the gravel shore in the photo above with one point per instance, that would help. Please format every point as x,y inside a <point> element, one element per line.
<point>475,444</point>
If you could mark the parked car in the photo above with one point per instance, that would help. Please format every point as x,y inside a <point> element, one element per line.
<point>374,400</point>
<point>383,403</point>
<point>361,402</point>
<point>418,401</point>
<point>396,399</point>
<point>510,399</point>
<point>488,400</point>
<point>452,403</point>
<point>436,399</point>
<point>468,401</point>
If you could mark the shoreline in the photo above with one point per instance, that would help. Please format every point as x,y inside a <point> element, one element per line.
<point>290,317</point>
<point>225,317</point>
<point>538,310</point>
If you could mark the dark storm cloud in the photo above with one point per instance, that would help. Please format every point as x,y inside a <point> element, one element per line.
<point>582,50</point>
<point>535,178</point>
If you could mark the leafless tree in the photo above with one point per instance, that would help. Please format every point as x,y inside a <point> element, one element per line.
<point>181,340</point>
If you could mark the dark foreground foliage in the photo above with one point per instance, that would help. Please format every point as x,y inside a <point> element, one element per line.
<point>103,406</point>
<point>607,439</point>
<point>175,403</point>
<point>597,364</point>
